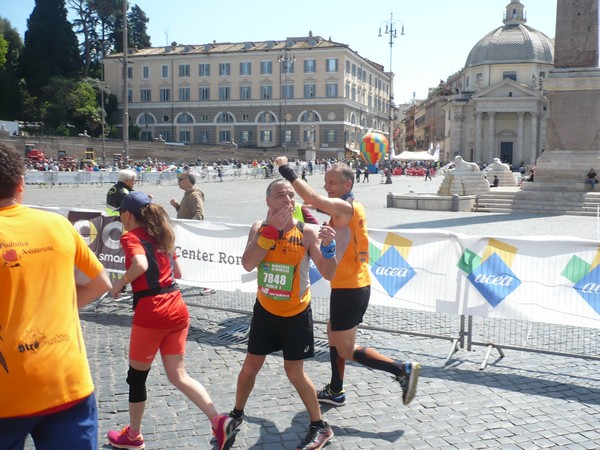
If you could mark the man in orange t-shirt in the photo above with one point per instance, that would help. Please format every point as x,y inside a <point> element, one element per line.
<point>351,285</point>
<point>46,387</point>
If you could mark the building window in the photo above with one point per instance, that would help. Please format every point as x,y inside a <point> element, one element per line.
<point>331,136</point>
<point>288,91</point>
<point>164,71</point>
<point>165,95</point>
<point>184,70</point>
<point>224,93</point>
<point>225,118</point>
<point>225,136</point>
<point>310,90</point>
<point>204,136</point>
<point>224,69</point>
<point>130,72</point>
<point>266,117</point>
<point>245,93</point>
<point>166,134</point>
<point>331,90</point>
<point>146,135</point>
<point>204,70</point>
<point>331,65</point>
<point>204,93</point>
<point>185,136</point>
<point>145,95</point>
<point>287,66</point>
<point>266,68</point>
<point>185,118</point>
<point>347,90</point>
<point>348,67</point>
<point>184,94</point>
<point>245,68</point>
<point>353,94</point>
<point>354,70</point>
<point>266,91</point>
<point>245,117</point>
<point>145,72</point>
<point>310,65</point>
<point>266,136</point>
<point>245,137</point>
<point>203,118</point>
<point>510,75</point>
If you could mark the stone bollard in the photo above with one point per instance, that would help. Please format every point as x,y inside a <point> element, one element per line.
<point>455,202</point>
<point>390,200</point>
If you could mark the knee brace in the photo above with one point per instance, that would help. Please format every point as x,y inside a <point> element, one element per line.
<point>136,379</point>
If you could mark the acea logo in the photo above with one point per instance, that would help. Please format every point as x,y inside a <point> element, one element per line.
<point>586,279</point>
<point>389,264</point>
<point>490,273</point>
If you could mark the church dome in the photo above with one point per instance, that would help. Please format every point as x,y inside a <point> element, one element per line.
<point>514,42</point>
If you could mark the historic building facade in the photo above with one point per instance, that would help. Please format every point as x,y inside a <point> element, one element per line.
<point>304,93</point>
<point>495,106</point>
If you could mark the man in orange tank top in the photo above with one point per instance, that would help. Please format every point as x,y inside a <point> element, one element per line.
<point>280,248</point>
<point>351,285</point>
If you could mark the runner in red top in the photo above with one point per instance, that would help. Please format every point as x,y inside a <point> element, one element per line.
<point>160,318</point>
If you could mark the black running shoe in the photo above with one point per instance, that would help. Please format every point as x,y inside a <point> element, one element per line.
<point>408,381</point>
<point>237,421</point>
<point>326,395</point>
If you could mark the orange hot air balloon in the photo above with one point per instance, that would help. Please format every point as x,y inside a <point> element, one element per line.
<point>373,148</point>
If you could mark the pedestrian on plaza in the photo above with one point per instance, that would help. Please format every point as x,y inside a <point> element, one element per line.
<point>358,173</point>
<point>427,173</point>
<point>47,272</point>
<point>118,191</point>
<point>220,172</point>
<point>591,178</point>
<point>304,174</point>
<point>366,175</point>
<point>280,248</point>
<point>160,318</point>
<point>351,285</point>
<point>191,206</point>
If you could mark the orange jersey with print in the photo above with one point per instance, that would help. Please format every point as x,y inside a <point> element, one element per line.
<point>43,361</point>
<point>283,279</point>
<point>352,248</point>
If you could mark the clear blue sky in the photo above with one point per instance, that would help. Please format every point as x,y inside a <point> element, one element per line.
<point>438,33</point>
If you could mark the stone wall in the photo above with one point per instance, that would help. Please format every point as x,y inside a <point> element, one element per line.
<point>140,151</point>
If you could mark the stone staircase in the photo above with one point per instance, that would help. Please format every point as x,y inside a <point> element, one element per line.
<point>578,200</point>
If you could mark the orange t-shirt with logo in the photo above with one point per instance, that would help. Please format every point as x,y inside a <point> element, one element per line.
<point>43,361</point>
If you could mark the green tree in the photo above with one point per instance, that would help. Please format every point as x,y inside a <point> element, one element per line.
<point>3,51</point>
<point>137,34</point>
<point>11,91</point>
<point>51,47</point>
<point>138,23</point>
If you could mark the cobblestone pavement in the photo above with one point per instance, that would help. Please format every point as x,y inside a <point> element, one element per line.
<point>523,401</point>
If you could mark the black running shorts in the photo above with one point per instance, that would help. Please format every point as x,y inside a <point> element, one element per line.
<point>270,333</point>
<point>347,307</point>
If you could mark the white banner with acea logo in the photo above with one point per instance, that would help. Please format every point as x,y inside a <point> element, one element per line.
<point>540,279</point>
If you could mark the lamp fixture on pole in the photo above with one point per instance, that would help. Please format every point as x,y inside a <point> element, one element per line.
<point>286,61</point>
<point>391,29</point>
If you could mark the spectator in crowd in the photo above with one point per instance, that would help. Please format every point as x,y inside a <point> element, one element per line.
<point>591,178</point>
<point>191,206</point>
<point>119,190</point>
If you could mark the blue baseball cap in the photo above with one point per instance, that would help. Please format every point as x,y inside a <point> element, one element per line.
<point>134,202</point>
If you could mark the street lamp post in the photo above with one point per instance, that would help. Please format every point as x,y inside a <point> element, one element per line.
<point>285,61</point>
<point>125,97</point>
<point>392,30</point>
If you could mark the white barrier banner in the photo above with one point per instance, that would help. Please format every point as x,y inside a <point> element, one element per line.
<point>539,279</point>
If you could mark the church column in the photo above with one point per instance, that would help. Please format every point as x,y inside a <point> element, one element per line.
<point>478,138</point>
<point>458,117</point>
<point>532,154</point>
<point>489,153</point>
<point>518,156</point>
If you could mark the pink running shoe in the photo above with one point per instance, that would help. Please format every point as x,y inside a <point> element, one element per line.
<point>224,432</point>
<point>121,439</point>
